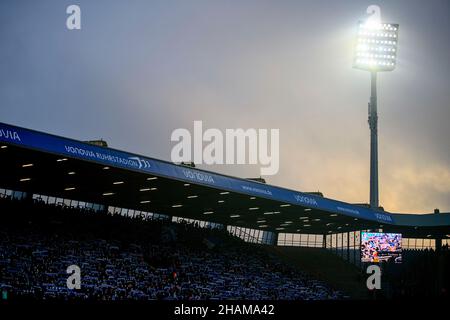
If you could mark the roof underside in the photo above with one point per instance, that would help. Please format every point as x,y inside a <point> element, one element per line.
<point>91,182</point>
<point>134,189</point>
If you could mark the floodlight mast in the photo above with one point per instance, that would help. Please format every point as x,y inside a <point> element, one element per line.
<point>373,125</point>
<point>376,51</point>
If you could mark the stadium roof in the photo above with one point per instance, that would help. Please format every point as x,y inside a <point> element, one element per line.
<point>42,163</point>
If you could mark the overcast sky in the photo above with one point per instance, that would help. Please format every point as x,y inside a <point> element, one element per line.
<point>137,70</point>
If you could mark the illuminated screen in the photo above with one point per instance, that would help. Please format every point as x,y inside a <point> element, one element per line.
<point>378,247</point>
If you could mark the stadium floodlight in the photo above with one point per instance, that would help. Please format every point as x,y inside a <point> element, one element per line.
<point>376,51</point>
<point>376,47</point>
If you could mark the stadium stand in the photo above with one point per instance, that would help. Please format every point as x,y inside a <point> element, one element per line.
<point>136,259</point>
<point>417,277</point>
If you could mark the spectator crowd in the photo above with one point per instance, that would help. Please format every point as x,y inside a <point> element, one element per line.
<point>124,258</point>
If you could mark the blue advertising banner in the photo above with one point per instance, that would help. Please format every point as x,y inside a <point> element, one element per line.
<point>111,157</point>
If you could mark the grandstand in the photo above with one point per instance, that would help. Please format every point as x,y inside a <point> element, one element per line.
<point>137,259</point>
<point>143,228</point>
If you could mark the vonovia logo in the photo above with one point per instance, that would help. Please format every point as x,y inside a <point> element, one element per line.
<point>142,163</point>
<point>199,176</point>
<point>235,146</point>
<point>9,135</point>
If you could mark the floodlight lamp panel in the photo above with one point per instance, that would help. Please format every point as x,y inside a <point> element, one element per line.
<point>376,47</point>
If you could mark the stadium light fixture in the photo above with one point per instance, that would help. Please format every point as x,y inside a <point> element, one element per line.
<point>376,48</point>
<point>253,208</point>
<point>145,201</point>
<point>118,182</point>
<point>71,173</point>
<point>25,179</point>
<point>61,160</point>
<point>285,205</point>
<point>27,165</point>
<point>376,51</point>
<point>225,192</point>
<point>3,147</point>
<point>108,193</point>
<point>208,212</point>
<point>152,178</point>
<point>192,197</point>
<point>69,189</point>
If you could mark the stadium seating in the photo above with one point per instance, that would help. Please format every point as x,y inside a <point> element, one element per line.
<point>124,258</point>
<point>417,275</point>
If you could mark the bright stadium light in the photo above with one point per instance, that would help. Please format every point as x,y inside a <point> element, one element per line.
<point>376,51</point>
<point>376,47</point>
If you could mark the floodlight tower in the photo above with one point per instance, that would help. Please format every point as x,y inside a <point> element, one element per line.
<point>376,51</point>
